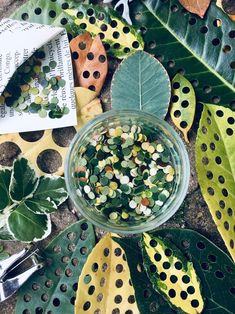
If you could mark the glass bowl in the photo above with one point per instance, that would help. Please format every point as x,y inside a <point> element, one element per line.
<point>167,136</point>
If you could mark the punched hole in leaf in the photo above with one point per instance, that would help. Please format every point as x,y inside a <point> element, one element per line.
<point>218,160</point>
<point>63,21</point>
<point>195,303</point>
<point>82,45</point>
<point>131,299</point>
<point>104,27</point>
<point>205,160</point>
<point>118,299</point>
<point>116,46</point>
<point>75,262</point>
<point>232,65</point>
<point>177,113</point>
<point>152,269</point>
<point>232,290</point>
<point>232,34</point>
<point>186,90</point>
<point>208,120</point>
<point>207,89</point>
<point>181,71</point>
<point>96,75</point>
<point>229,131</point>
<point>166,265</point>
<point>119,283</point>
<point>92,20</point>
<point>68,272</point>
<point>230,212</point>
<point>185,279</point>
<point>152,44</point>
<point>219,274</point>
<point>212,258</point>
<point>91,290</point>
<point>102,36</point>
<point>99,297</point>
<point>218,214</point>
<point>52,14</point>
<point>83,250</point>
<point>183,295</point>
<point>160,58</point>
<point>39,310</point>
<point>63,287</point>
<point>226,225</point>
<point>147,293</point>
<point>172,293</point>
<point>65,259</point>
<point>58,271</point>
<point>204,29</point>
<point>157,257</point>
<point>185,244</point>
<point>215,42</point>
<point>80,15</point>
<point>25,16</point>
<point>63,136</point>
<point>27,298</point>
<point>86,306</point>
<point>83,26</point>
<point>215,99</point>
<point>192,21</point>
<point>153,243</point>
<point>102,282</point>
<point>210,191</point>
<point>205,266</point>
<point>174,8</point>
<point>86,74</point>
<point>227,48</point>
<point>178,265</point>
<point>231,243</point>
<point>65,6</point>
<point>126,50</point>
<point>221,179</point>
<point>129,312</point>
<point>163,276</point>
<point>212,146</point>
<point>38,11</point>
<point>173,279</point>
<point>92,88</point>
<point>35,286</point>
<point>174,98</point>
<point>72,247</point>
<point>171,64</point>
<point>72,300</point>
<point>183,124</point>
<point>56,302</point>
<point>116,311</point>
<point>44,297</point>
<point>200,245</point>
<point>75,55</point>
<point>209,175</point>
<point>119,268</point>
<point>185,104</point>
<point>135,44</point>
<point>222,204</point>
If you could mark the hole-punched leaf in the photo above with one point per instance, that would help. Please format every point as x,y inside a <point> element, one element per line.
<point>53,288</point>
<point>147,298</point>
<point>141,82</point>
<point>195,6</point>
<point>23,180</point>
<point>197,48</point>
<point>215,269</point>
<point>104,284</point>
<point>215,163</point>
<point>171,274</point>
<point>5,177</point>
<point>183,104</point>
<point>27,226</point>
<point>90,64</point>
<point>120,38</point>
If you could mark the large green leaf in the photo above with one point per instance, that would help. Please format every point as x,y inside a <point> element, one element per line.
<point>172,274</point>
<point>214,268</point>
<point>215,163</point>
<point>53,188</point>
<point>23,180</point>
<point>147,298</point>
<point>141,82</point>
<point>5,177</point>
<point>40,206</point>
<point>120,38</point>
<point>202,49</point>
<point>54,289</point>
<point>27,226</point>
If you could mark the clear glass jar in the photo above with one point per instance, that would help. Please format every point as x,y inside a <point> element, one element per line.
<point>166,135</point>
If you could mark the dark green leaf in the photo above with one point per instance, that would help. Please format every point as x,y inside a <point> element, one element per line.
<point>40,206</point>
<point>201,49</point>
<point>141,82</point>
<point>27,226</point>
<point>214,268</point>
<point>146,297</point>
<point>56,290</point>
<point>5,177</point>
<point>23,180</point>
<point>53,188</point>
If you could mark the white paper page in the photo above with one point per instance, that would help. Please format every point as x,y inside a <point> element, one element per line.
<point>18,41</point>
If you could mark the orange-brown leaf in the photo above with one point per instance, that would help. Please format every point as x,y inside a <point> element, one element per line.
<point>90,62</point>
<point>198,7</point>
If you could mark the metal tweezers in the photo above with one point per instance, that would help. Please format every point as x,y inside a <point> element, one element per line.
<point>14,273</point>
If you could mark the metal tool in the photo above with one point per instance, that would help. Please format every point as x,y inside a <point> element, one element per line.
<point>16,270</point>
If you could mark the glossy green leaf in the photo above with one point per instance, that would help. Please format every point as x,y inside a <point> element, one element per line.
<point>5,177</point>
<point>23,180</point>
<point>120,38</point>
<point>40,206</point>
<point>27,226</point>
<point>201,49</point>
<point>146,297</point>
<point>214,268</point>
<point>53,188</point>
<point>215,164</point>
<point>53,290</point>
<point>172,274</point>
<point>183,104</point>
<point>141,82</point>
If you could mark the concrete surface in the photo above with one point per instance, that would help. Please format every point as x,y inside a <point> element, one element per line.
<point>193,213</point>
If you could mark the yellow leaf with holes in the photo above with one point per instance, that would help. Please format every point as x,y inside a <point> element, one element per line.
<point>215,164</point>
<point>120,38</point>
<point>183,104</point>
<point>104,284</point>
<point>46,150</point>
<point>172,274</point>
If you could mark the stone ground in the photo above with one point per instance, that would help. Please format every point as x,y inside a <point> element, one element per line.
<point>193,213</point>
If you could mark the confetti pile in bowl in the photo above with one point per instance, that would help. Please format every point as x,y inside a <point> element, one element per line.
<point>126,173</point>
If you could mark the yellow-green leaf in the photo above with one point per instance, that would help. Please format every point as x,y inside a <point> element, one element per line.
<point>215,163</point>
<point>172,274</point>
<point>104,284</point>
<point>183,104</point>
